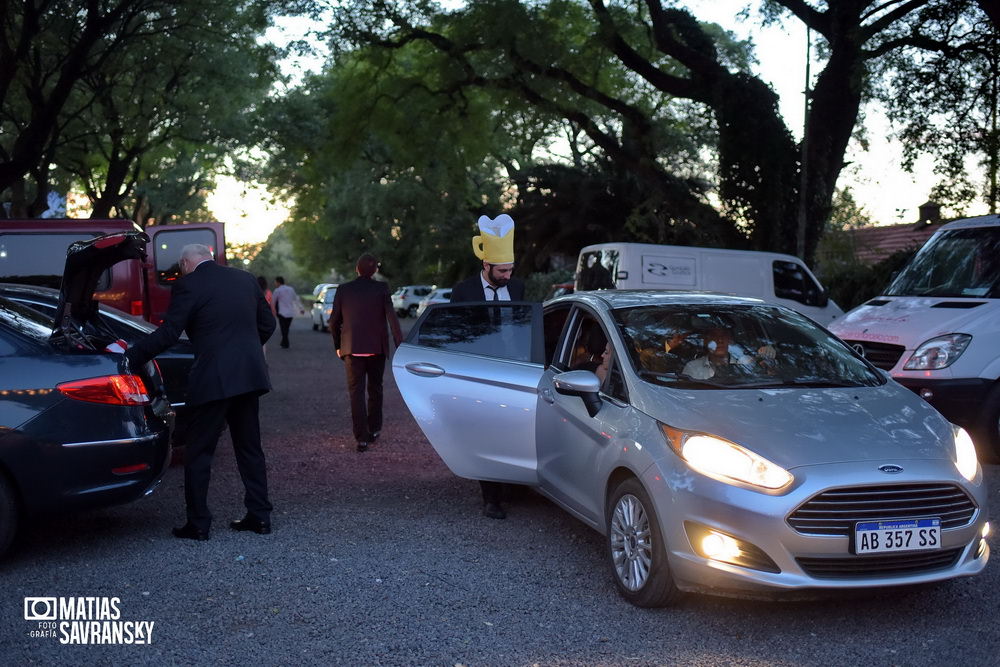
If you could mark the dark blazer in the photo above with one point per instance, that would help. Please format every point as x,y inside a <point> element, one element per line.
<point>471,289</point>
<point>360,310</point>
<point>227,319</point>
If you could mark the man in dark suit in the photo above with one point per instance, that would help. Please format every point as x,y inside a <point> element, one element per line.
<point>361,309</point>
<point>495,247</point>
<point>228,320</point>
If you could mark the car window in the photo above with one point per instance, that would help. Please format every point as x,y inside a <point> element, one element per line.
<point>737,346</point>
<point>588,343</point>
<point>498,330</point>
<point>553,323</point>
<point>792,281</point>
<point>167,246</point>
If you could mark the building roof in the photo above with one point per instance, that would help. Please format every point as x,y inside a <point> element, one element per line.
<point>873,244</point>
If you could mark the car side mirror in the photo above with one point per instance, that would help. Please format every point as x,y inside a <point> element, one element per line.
<point>584,384</point>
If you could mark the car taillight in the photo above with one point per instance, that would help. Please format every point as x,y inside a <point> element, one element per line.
<point>136,308</point>
<point>109,389</point>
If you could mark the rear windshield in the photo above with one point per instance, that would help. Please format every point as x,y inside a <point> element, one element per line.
<point>25,321</point>
<point>40,258</point>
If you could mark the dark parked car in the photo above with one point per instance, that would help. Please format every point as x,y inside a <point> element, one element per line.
<point>78,427</point>
<point>175,363</point>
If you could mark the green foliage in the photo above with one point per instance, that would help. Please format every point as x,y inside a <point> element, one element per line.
<point>276,258</point>
<point>851,284</point>
<point>537,286</point>
<point>942,96</point>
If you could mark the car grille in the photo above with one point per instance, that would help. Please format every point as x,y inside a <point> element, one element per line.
<point>835,512</point>
<point>879,566</point>
<point>881,355</point>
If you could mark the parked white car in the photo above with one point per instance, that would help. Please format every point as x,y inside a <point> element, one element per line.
<point>407,298</point>
<point>323,306</point>
<point>437,296</point>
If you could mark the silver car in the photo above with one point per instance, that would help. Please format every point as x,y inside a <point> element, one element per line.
<point>720,444</point>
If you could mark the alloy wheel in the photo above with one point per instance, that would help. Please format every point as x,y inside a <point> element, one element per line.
<point>631,543</point>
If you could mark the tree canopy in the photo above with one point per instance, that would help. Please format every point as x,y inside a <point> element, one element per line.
<point>594,120</point>
<point>122,94</point>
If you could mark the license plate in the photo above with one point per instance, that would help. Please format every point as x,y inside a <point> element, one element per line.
<point>878,537</point>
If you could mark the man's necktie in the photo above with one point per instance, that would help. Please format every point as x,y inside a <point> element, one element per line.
<point>495,311</point>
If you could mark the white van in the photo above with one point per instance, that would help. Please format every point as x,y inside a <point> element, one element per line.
<point>936,328</point>
<point>773,277</point>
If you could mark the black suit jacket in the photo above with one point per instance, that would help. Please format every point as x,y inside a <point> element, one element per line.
<point>471,289</point>
<point>227,319</point>
<point>361,309</point>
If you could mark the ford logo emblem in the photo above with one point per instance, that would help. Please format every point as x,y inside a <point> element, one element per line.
<point>859,348</point>
<point>891,469</point>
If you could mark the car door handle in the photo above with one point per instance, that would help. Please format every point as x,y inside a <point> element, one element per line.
<point>424,369</point>
<point>547,396</point>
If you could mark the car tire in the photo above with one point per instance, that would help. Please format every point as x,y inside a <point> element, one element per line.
<point>989,428</point>
<point>636,548</point>
<point>315,327</point>
<point>411,311</point>
<point>8,513</point>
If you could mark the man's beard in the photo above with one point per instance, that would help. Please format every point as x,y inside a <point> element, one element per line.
<point>498,281</point>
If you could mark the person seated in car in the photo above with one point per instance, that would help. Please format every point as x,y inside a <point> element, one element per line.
<point>590,355</point>
<point>722,357</point>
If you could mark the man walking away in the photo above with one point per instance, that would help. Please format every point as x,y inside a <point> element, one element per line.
<point>286,306</point>
<point>495,247</point>
<point>228,320</point>
<point>361,309</point>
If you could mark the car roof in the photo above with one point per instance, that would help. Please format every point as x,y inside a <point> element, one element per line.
<point>615,299</point>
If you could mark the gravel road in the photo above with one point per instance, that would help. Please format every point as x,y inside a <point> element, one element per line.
<point>383,558</point>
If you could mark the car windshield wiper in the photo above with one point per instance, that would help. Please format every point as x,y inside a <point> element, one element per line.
<point>821,383</point>
<point>683,377</point>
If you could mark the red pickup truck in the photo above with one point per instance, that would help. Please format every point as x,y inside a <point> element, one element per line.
<point>34,252</point>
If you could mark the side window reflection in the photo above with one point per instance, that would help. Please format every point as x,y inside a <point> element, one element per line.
<point>495,330</point>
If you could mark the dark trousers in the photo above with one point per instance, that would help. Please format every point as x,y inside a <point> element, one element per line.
<point>284,323</point>
<point>492,492</point>
<point>204,429</point>
<point>362,371</point>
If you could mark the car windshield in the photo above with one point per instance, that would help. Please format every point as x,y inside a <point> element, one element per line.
<point>732,347</point>
<point>957,263</point>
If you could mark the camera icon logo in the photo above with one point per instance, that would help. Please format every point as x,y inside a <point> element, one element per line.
<point>40,609</point>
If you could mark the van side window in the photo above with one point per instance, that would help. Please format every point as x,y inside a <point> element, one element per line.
<point>167,246</point>
<point>792,281</point>
<point>597,269</point>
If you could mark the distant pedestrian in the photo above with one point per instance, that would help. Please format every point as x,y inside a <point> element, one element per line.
<point>287,305</point>
<point>361,310</point>
<point>227,319</point>
<point>495,247</point>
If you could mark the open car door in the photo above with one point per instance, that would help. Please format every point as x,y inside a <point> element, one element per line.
<point>469,374</point>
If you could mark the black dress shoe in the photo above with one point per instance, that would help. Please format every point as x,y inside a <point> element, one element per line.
<point>494,511</point>
<point>189,532</point>
<point>251,524</point>
<point>362,446</point>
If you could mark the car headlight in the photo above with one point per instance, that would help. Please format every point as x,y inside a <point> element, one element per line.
<point>939,352</point>
<point>716,457</point>
<point>965,454</point>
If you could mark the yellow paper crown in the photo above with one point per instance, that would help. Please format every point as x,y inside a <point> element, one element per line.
<point>496,242</point>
